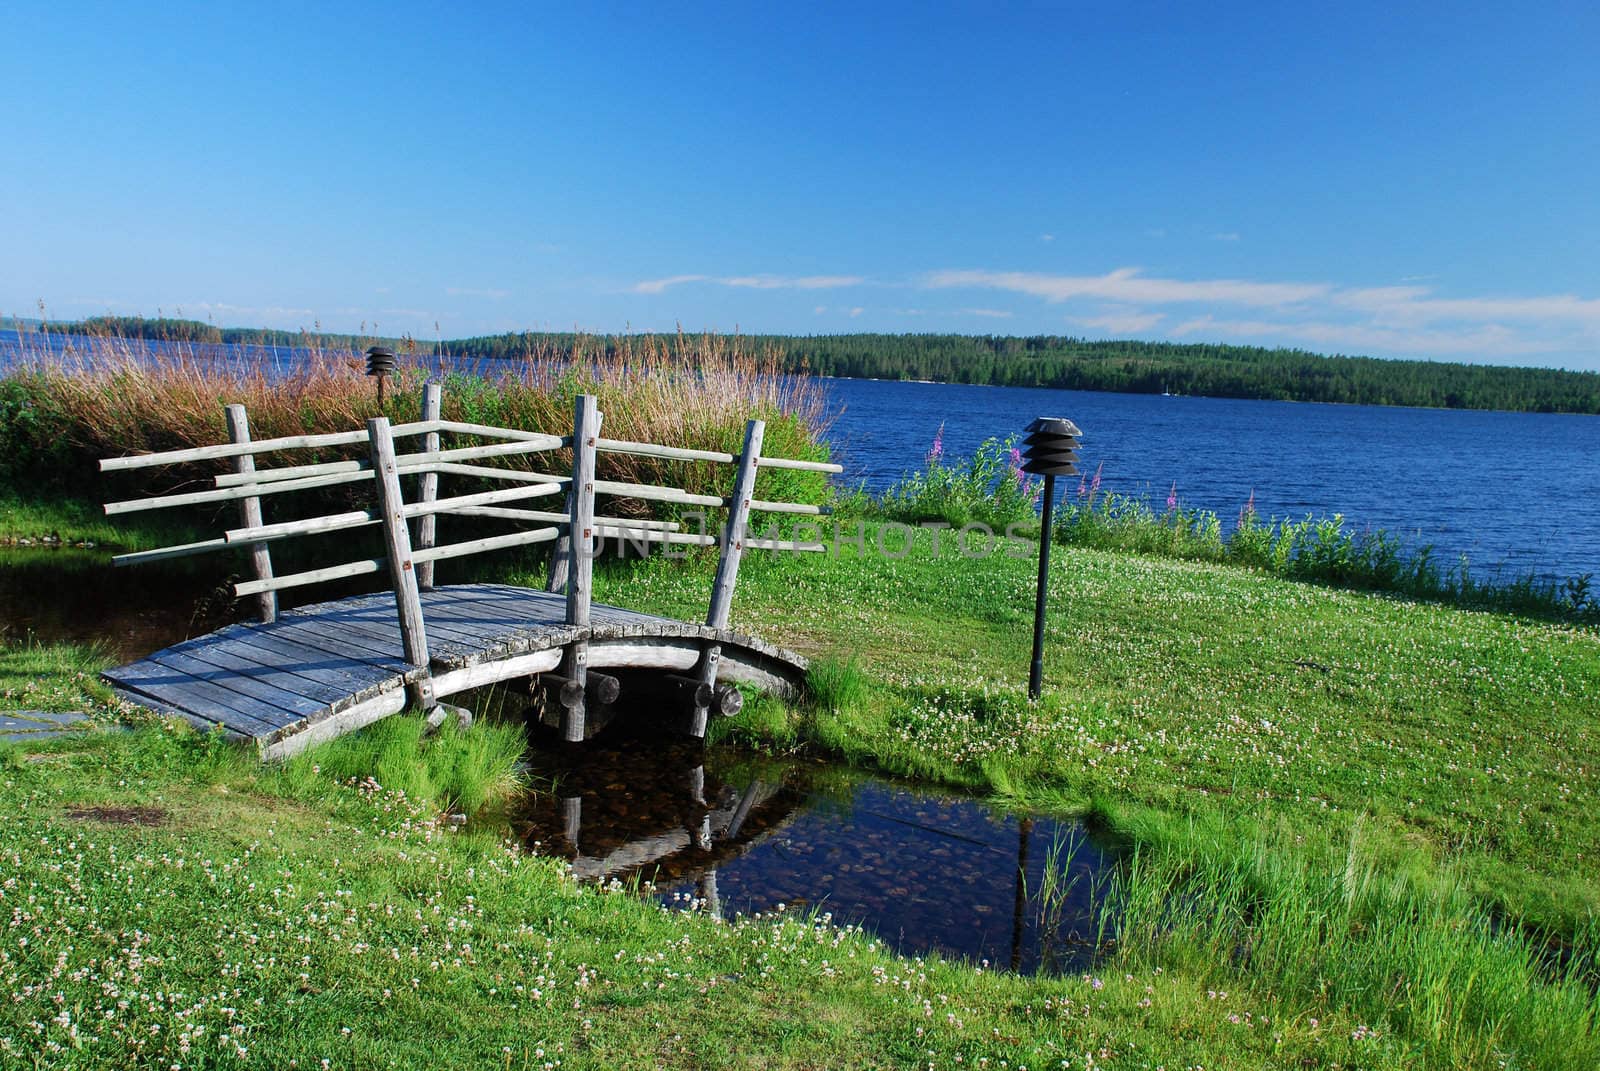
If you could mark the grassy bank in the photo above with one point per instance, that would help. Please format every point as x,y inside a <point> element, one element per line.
<point>1361,828</point>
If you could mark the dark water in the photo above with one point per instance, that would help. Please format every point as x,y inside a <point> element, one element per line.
<point>1515,492</point>
<point>733,834</point>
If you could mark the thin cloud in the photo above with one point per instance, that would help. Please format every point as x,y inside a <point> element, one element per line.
<point>1047,237</point>
<point>467,291</point>
<point>996,314</point>
<point>1225,236</point>
<point>1126,284</point>
<point>752,282</point>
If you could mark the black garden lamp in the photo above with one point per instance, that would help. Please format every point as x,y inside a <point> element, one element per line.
<point>380,363</point>
<point>1050,450</point>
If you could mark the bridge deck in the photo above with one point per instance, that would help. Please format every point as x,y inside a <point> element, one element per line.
<point>324,670</point>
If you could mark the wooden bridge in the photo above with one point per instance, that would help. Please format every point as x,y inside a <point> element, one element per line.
<point>313,673</point>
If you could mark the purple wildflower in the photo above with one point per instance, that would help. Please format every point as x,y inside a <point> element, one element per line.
<point>1094,485</point>
<point>1248,511</point>
<point>936,452</point>
<point>1172,497</point>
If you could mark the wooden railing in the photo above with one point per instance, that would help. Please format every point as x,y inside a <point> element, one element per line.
<point>576,528</point>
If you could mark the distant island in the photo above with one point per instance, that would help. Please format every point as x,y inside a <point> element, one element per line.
<point>1131,366</point>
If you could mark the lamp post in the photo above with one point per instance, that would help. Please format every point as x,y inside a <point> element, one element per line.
<point>380,363</point>
<point>1050,450</point>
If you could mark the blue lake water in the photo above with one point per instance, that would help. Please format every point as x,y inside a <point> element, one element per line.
<point>1514,492</point>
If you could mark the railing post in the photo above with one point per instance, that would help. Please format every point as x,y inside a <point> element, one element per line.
<point>250,512</point>
<point>428,490</point>
<point>580,554</point>
<point>397,541</point>
<point>733,536</point>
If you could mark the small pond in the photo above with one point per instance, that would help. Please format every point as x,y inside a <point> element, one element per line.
<point>731,833</point>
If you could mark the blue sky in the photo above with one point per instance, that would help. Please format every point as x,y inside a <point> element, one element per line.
<point>1346,178</point>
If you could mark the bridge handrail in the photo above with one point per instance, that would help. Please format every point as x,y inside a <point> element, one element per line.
<point>410,566</point>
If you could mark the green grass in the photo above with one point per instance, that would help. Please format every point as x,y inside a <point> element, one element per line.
<point>249,918</point>
<point>72,521</point>
<point>1362,833</point>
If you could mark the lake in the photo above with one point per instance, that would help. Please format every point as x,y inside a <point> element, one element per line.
<point>1514,492</point>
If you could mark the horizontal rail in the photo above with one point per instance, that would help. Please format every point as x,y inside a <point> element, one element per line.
<point>793,463</point>
<point>483,471</point>
<point>503,514</point>
<point>404,462</point>
<point>312,576</point>
<point>182,550</point>
<point>257,446</point>
<point>672,453</point>
<point>478,546</point>
<point>339,522</point>
<point>784,544</point>
<point>790,507</point>
<point>228,494</point>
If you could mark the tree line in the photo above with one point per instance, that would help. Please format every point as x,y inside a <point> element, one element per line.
<point>1213,369</point>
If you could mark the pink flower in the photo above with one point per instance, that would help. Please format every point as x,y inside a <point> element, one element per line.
<point>1172,497</point>
<point>936,451</point>
<point>1095,483</point>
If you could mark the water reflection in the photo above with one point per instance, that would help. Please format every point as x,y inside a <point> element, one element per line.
<point>731,833</point>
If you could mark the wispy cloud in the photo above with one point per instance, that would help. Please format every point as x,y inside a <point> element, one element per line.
<point>1127,285</point>
<point>1047,237</point>
<point>468,291</point>
<point>752,282</point>
<point>1225,236</point>
<point>994,314</point>
<point>1401,320</point>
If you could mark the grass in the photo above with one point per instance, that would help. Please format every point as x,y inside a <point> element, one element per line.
<point>1361,831</point>
<point>170,905</point>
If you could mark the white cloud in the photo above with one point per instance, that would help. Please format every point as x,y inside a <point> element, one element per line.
<point>1126,284</point>
<point>995,314</point>
<point>656,286</point>
<point>820,309</point>
<point>857,311</point>
<point>752,282</point>
<point>1225,236</point>
<point>1047,237</point>
<point>467,291</point>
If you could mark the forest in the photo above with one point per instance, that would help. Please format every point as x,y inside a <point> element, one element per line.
<point>1216,370</point>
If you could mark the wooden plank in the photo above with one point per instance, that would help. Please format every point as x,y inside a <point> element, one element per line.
<point>265,702</point>
<point>177,690</point>
<point>310,695</point>
<point>250,514</point>
<point>487,473</point>
<point>428,486</point>
<point>324,671</point>
<point>328,632</point>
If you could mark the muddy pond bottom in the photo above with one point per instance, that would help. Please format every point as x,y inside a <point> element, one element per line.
<point>730,833</point>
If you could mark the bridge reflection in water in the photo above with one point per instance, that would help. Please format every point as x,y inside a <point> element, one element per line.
<point>732,834</point>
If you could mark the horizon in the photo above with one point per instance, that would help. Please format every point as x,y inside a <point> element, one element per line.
<point>1362,182</point>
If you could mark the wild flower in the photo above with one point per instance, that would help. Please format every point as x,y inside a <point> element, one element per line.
<point>1172,497</point>
<point>936,451</point>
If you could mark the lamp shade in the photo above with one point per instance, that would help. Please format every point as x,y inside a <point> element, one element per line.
<point>1051,448</point>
